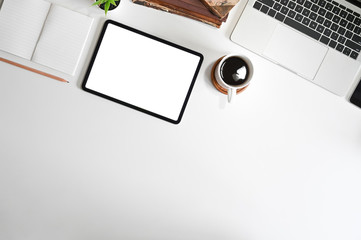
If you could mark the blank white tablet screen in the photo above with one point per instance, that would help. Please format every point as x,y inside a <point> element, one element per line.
<point>142,72</point>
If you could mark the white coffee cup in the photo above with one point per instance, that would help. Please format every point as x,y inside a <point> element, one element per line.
<point>233,72</point>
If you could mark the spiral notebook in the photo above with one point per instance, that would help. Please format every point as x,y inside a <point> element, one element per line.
<point>44,33</point>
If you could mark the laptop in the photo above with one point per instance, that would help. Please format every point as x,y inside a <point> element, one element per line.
<point>319,40</point>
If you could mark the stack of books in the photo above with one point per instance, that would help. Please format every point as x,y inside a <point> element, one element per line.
<point>213,12</point>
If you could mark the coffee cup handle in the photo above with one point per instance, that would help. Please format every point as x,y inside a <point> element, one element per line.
<point>231,93</point>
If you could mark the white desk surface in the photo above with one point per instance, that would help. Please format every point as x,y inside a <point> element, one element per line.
<point>283,162</point>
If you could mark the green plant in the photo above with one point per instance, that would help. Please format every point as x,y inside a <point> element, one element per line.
<point>106,4</point>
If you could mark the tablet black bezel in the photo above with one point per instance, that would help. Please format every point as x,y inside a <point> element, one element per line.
<point>128,104</point>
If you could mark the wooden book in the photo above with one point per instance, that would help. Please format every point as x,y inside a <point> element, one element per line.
<point>193,9</point>
<point>220,7</point>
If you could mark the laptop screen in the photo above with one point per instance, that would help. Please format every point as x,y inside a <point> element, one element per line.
<point>355,2</point>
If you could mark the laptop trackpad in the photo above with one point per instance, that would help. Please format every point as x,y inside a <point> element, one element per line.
<point>295,52</point>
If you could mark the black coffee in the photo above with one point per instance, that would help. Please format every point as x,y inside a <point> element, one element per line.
<point>234,71</point>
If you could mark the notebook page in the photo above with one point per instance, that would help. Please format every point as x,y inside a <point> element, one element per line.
<point>62,40</point>
<point>21,24</point>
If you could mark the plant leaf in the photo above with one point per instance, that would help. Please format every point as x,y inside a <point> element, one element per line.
<point>106,7</point>
<point>113,2</point>
<point>98,2</point>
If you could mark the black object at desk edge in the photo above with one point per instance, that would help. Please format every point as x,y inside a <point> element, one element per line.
<point>356,96</point>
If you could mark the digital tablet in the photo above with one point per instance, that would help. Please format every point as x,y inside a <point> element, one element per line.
<point>142,71</point>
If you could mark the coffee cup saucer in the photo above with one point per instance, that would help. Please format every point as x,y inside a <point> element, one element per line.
<point>216,84</point>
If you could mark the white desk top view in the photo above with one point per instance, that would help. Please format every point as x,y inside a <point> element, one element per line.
<point>283,162</point>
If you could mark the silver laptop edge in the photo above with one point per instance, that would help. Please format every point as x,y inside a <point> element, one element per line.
<point>301,54</point>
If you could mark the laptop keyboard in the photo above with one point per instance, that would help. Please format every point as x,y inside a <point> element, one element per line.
<point>324,20</point>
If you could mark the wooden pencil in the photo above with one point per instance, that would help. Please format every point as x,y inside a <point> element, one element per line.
<point>33,70</point>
